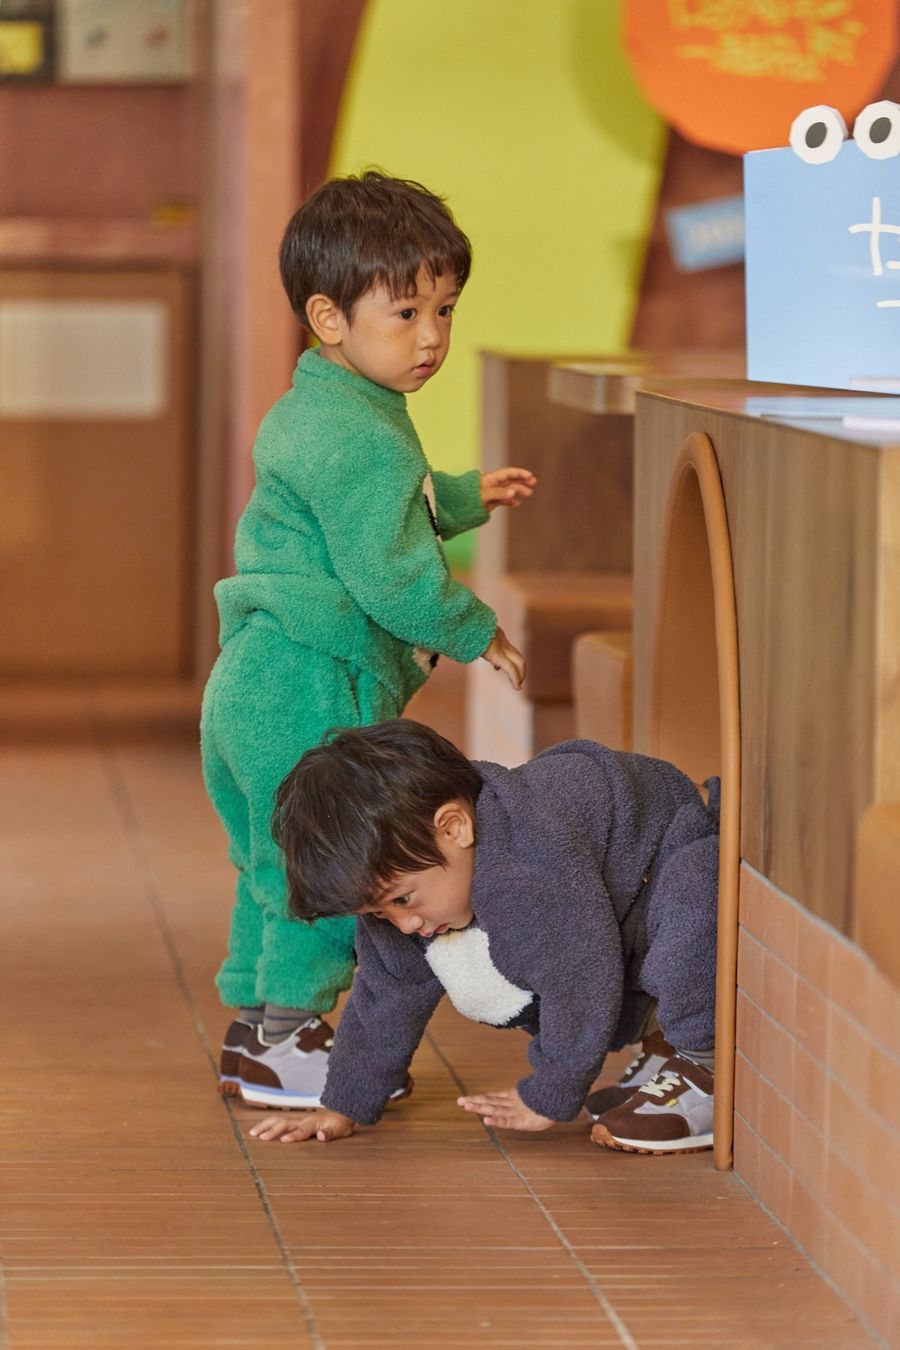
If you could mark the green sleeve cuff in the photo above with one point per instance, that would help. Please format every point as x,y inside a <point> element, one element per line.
<point>459,504</point>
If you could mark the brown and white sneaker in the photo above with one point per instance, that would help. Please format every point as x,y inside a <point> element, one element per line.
<point>673,1113</point>
<point>290,1075</point>
<point>236,1037</point>
<point>654,1052</point>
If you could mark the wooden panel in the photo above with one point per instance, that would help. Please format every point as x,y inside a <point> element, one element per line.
<point>328,30</point>
<point>70,151</point>
<point>95,525</point>
<point>877,887</point>
<point>696,309</point>
<point>887,751</point>
<point>690,309</point>
<point>803,516</point>
<point>581,521</point>
<point>542,614</point>
<point>503,725</point>
<point>602,677</point>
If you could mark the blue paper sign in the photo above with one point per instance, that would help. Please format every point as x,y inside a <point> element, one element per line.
<point>707,234</point>
<point>823,268</point>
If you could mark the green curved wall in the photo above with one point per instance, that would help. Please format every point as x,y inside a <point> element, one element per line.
<point>524,115</point>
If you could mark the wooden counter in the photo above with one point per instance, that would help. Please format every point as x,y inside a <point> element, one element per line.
<point>814,521</point>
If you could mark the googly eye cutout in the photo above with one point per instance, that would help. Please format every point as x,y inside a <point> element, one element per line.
<point>877,130</point>
<point>817,134</point>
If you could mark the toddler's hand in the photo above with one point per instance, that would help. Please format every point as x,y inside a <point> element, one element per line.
<point>323,1125</point>
<point>505,1111</point>
<point>502,655</point>
<point>506,487</point>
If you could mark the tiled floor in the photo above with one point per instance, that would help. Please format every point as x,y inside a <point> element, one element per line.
<point>136,1213</point>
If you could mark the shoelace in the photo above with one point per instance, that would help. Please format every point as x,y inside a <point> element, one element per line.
<point>665,1081</point>
<point>633,1066</point>
<point>312,1024</point>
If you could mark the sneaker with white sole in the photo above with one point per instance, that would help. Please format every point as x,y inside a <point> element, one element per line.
<point>654,1052</point>
<point>673,1113</point>
<point>236,1037</point>
<point>290,1075</point>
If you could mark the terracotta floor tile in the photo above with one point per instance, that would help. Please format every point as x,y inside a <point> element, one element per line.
<point>134,1210</point>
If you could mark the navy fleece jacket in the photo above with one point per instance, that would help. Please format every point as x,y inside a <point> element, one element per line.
<point>577,856</point>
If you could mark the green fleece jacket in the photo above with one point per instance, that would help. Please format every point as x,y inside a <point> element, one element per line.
<point>337,542</point>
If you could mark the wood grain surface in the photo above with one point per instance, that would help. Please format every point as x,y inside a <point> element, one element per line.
<point>96,514</point>
<point>812,555</point>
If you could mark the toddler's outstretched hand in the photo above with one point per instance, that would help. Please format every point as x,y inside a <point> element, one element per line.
<point>322,1125</point>
<point>506,487</point>
<point>505,1111</point>
<point>502,655</point>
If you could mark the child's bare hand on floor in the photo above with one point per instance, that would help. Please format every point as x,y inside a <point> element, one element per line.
<point>322,1125</point>
<point>505,1110</point>
<point>506,487</point>
<point>502,655</point>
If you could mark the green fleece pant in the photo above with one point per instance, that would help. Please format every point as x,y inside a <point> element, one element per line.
<point>267,701</point>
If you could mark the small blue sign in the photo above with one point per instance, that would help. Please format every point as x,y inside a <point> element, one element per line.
<point>823,268</point>
<point>708,234</point>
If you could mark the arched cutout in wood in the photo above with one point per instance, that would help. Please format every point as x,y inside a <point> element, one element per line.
<point>696,706</point>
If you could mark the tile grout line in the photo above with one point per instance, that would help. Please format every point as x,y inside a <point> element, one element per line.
<point>4,1311</point>
<point>614,1317</point>
<point>862,1028</point>
<point>820,1198</point>
<point>825,1139</point>
<point>131,828</point>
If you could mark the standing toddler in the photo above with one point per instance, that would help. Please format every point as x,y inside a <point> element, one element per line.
<point>342,599</point>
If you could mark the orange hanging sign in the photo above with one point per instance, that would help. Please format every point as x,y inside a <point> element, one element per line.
<point>733,74</point>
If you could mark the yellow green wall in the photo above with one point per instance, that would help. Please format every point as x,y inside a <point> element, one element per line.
<point>524,115</point>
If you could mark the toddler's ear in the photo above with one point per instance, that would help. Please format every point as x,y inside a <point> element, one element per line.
<point>454,820</point>
<point>324,319</point>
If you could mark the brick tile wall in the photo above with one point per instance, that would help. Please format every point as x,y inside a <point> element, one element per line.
<point>817,1095</point>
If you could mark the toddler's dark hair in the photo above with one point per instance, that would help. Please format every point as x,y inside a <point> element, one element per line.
<point>354,233</point>
<point>358,810</point>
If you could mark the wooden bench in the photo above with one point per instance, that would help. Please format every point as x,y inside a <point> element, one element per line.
<point>543,613</point>
<point>602,675</point>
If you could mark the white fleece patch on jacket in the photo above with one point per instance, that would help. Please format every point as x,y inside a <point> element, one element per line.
<point>476,988</point>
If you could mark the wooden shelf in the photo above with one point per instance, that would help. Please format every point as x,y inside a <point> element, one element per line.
<point>44,241</point>
<point>608,384</point>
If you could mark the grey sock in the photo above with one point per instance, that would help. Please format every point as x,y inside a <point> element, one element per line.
<point>253,1016</point>
<point>278,1022</point>
<point>705,1058</point>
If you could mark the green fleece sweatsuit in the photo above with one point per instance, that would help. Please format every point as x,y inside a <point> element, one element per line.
<point>342,594</point>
